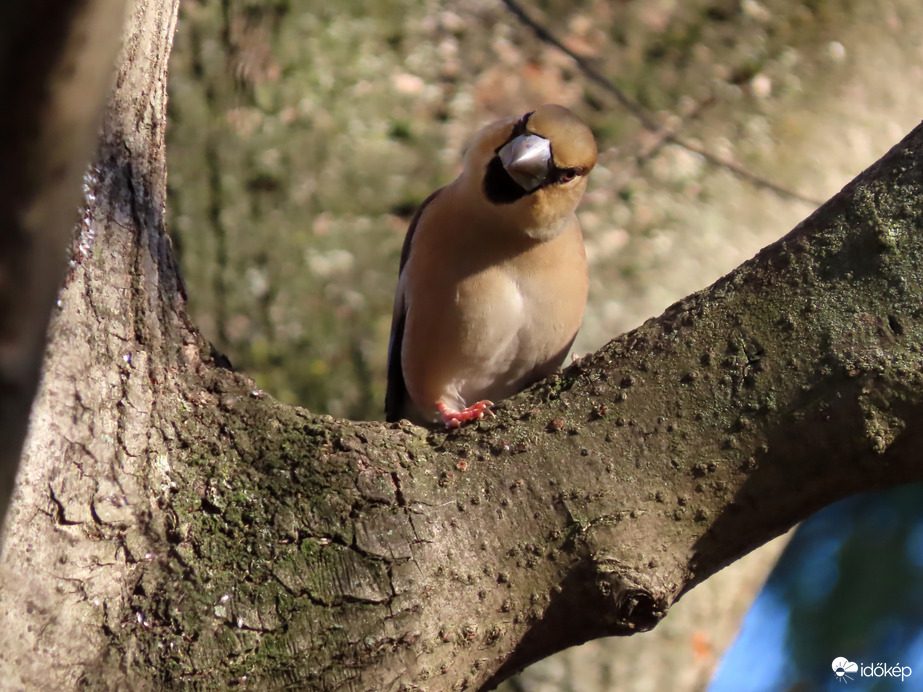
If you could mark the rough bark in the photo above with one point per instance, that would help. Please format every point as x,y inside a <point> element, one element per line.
<point>680,654</point>
<point>292,272</point>
<point>79,519</point>
<point>56,60</point>
<point>177,528</point>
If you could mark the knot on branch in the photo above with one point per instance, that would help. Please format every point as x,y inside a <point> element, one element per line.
<point>635,604</point>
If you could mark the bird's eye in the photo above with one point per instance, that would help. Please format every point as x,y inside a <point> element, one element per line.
<point>566,175</point>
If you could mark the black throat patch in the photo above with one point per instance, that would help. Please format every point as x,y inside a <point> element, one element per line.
<point>499,187</point>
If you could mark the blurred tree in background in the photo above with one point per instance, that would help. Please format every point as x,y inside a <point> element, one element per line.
<point>848,584</point>
<point>303,134</point>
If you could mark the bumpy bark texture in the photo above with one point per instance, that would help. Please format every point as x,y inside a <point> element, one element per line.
<point>79,521</point>
<point>56,60</point>
<point>177,528</point>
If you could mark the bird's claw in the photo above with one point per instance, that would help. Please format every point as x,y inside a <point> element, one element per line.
<point>455,419</point>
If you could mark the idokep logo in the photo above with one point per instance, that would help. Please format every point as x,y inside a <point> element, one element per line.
<point>845,670</point>
<point>842,667</point>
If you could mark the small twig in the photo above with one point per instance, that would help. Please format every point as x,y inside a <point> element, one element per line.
<point>661,138</point>
<point>663,134</point>
<point>632,106</point>
<point>742,172</point>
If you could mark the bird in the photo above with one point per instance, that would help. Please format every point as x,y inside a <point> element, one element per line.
<point>493,280</point>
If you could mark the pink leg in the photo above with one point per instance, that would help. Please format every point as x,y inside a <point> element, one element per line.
<point>454,419</point>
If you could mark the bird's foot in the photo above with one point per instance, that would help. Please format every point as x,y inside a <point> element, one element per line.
<point>455,419</point>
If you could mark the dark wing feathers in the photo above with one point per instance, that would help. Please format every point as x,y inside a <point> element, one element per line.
<point>396,397</point>
<point>396,394</point>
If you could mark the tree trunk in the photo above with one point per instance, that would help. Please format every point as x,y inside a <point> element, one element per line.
<point>176,527</point>
<point>55,68</point>
<point>82,517</point>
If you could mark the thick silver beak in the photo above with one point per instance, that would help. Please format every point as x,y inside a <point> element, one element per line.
<point>527,159</point>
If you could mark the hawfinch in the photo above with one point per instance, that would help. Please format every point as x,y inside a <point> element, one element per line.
<point>493,276</point>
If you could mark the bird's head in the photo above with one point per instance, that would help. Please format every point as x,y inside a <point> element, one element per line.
<point>533,170</point>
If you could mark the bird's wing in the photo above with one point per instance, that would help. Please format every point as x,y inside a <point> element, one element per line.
<point>396,395</point>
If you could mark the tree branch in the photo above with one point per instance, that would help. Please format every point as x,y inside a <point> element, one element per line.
<point>323,553</point>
